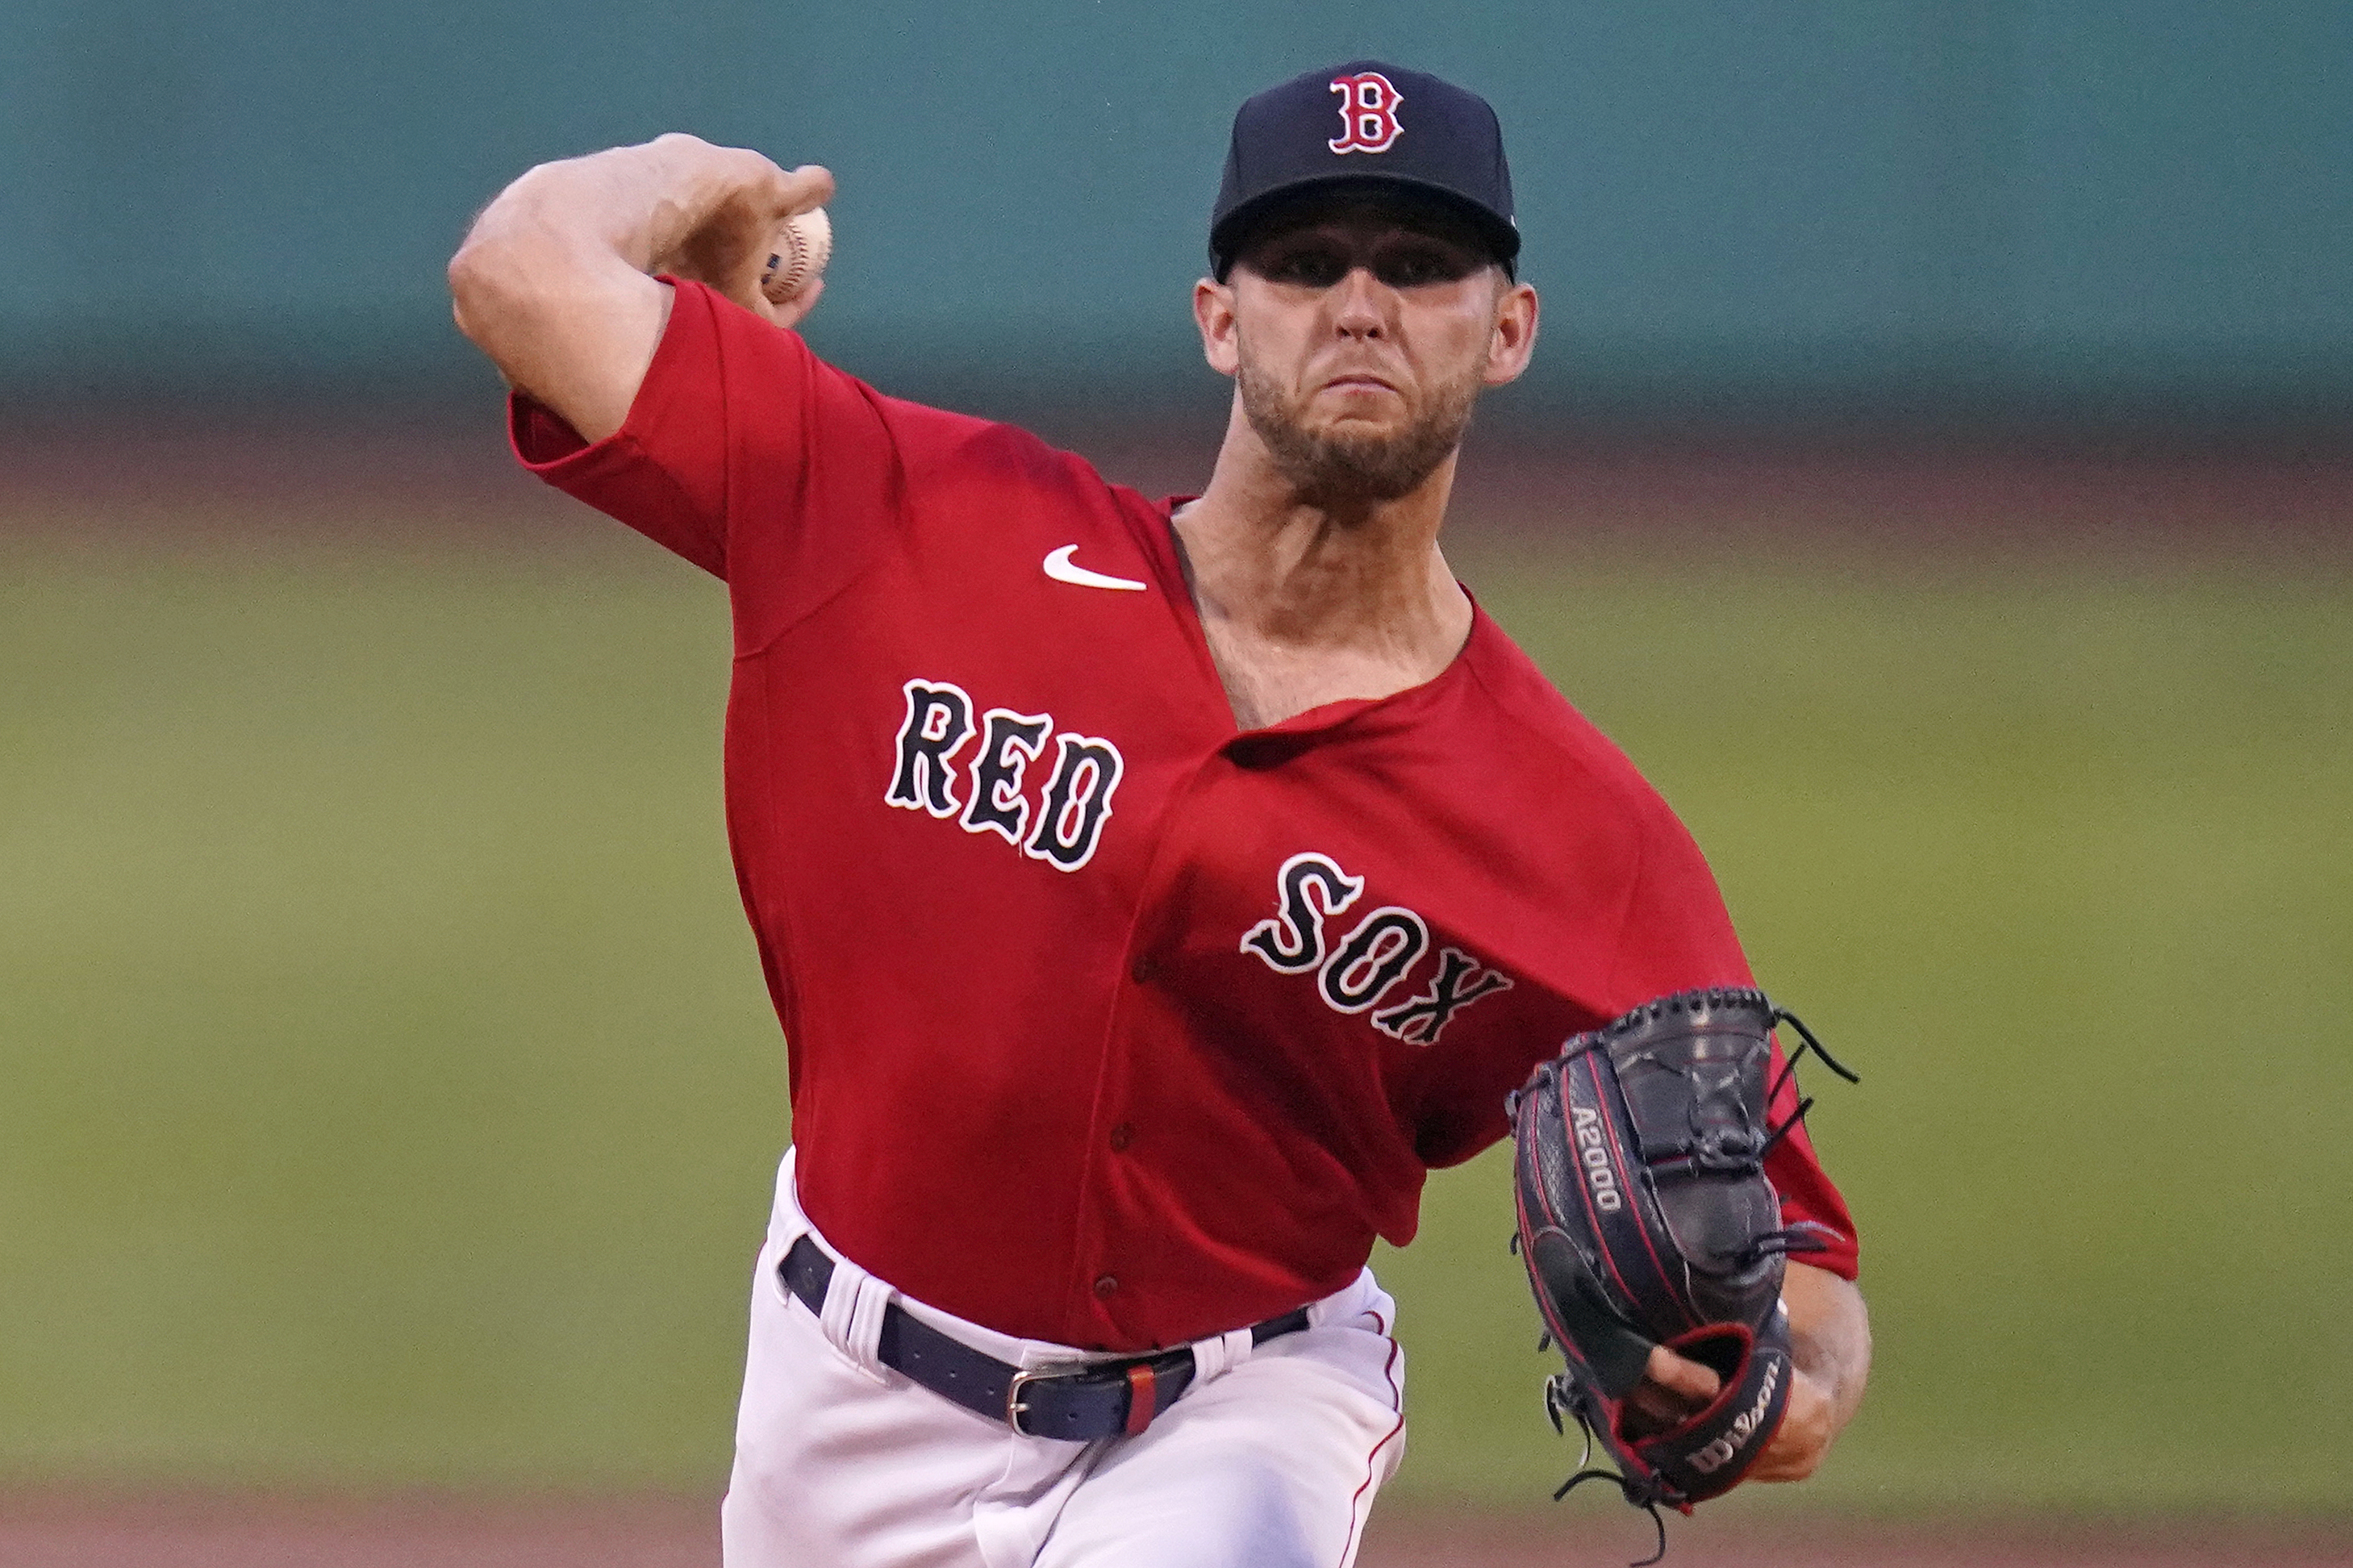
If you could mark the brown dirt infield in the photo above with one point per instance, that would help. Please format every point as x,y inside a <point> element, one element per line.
<point>96,1529</point>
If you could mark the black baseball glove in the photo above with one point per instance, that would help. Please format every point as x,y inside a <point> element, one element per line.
<point>1646,1219</point>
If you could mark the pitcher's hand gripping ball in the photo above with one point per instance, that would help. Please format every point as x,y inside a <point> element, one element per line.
<point>797,256</point>
<point>1646,1218</point>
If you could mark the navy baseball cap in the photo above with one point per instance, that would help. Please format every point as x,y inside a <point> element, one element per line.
<point>1364,122</point>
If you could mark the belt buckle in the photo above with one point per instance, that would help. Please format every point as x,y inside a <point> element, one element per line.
<point>1016,1408</point>
<point>1140,1376</point>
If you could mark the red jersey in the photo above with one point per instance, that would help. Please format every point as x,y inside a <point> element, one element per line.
<point>1111,1023</point>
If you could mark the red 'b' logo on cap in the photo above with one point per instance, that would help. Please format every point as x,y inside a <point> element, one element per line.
<point>1368,107</point>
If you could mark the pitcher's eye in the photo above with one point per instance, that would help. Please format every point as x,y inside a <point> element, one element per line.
<point>1414,264</point>
<point>1307,266</point>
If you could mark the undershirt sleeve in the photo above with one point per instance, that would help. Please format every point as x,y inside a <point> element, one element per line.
<point>1678,935</point>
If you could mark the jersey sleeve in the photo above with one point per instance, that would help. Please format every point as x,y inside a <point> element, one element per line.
<point>663,472</point>
<point>1677,935</point>
<point>749,455</point>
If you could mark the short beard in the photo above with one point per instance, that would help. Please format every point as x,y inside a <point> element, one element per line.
<point>1335,469</point>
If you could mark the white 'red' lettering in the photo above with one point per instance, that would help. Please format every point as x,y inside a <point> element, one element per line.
<point>1064,825</point>
<point>938,723</point>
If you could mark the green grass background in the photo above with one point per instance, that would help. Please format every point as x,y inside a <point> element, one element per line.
<point>387,1096</point>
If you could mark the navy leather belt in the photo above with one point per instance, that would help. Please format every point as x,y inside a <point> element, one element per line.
<point>1078,1403</point>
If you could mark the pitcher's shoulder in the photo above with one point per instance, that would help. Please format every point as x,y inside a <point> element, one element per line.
<point>1545,733</point>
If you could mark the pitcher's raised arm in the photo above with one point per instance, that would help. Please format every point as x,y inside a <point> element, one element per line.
<point>556,282</point>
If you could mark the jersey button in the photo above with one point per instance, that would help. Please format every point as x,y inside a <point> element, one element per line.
<point>1121,1137</point>
<point>1106,1285</point>
<point>1144,970</point>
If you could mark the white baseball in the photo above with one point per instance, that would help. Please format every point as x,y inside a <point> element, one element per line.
<point>803,245</point>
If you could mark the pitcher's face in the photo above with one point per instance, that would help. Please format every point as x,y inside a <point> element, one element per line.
<point>1360,331</point>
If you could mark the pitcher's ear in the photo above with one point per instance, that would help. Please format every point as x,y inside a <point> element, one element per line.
<point>1213,313</point>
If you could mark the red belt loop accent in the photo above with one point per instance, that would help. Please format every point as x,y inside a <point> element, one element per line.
<point>1141,1398</point>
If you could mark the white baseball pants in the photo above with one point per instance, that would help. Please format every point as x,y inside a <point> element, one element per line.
<point>1270,1460</point>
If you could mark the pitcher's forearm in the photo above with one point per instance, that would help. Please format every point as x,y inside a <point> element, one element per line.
<point>1830,1343</point>
<point>1829,1335</point>
<point>638,204</point>
<point>554,281</point>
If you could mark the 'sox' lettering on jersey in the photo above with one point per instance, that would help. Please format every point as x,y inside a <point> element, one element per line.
<point>1293,939</point>
<point>1372,958</point>
<point>1061,828</point>
<point>1382,947</point>
<point>1368,113</point>
<point>1459,981</point>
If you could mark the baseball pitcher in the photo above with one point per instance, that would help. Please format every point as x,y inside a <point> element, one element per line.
<point>1151,892</point>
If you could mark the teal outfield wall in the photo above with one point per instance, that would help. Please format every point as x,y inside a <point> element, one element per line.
<point>2103,205</point>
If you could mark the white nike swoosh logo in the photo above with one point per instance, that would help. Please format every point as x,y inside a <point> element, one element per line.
<point>1058,567</point>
